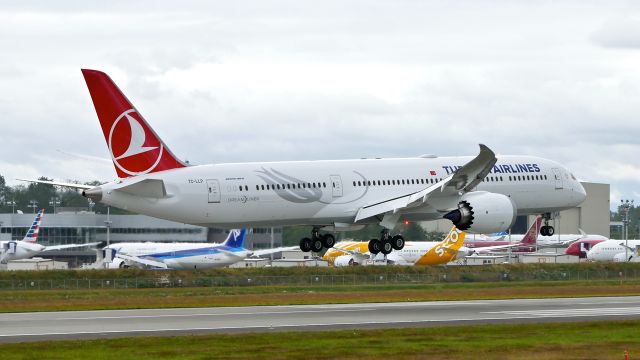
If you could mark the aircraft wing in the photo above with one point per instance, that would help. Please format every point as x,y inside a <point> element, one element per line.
<point>350,252</point>
<point>139,260</point>
<point>272,251</point>
<point>57,183</point>
<point>486,249</point>
<point>68,246</point>
<point>463,180</point>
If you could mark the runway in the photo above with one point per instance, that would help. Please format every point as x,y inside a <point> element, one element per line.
<point>18,327</point>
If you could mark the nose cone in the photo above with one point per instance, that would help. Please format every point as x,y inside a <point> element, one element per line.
<point>581,193</point>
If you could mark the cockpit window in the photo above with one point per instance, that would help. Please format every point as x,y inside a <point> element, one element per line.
<point>573,177</point>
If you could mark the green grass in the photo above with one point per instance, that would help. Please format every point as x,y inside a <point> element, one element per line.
<point>68,300</point>
<point>581,340</point>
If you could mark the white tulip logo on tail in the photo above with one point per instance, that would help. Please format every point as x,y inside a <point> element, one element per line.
<point>132,151</point>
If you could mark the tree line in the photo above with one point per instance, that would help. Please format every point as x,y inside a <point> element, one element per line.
<point>30,197</point>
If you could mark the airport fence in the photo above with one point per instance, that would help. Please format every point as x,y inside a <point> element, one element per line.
<point>390,278</point>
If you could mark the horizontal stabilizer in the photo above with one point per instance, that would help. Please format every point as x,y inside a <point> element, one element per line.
<point>148,188</point>
<point>57,183</point>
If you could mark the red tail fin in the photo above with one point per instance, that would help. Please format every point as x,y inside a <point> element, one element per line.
<point>135,148</point>
<point>531,236</point>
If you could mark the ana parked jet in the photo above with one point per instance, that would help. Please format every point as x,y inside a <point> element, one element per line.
<point>184,255</point>
<point>28,247</point>
<point>481,194</point>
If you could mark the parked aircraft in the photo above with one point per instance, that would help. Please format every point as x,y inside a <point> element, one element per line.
<point>614,250</point>
<point>581,247</point>
<point>558,240</point>
<point>526,242</point>
<point>421,252</point>
<point>347,253</point>
<point>481,194</point>
<point>184,255</point>
<point>28,247</point>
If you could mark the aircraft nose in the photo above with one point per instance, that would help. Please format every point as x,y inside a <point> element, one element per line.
<point>581,193</point>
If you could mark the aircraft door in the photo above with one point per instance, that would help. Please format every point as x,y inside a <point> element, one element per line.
<point>336,185</point>
<point>558,177</point>
<point>213,190</point>
<point>13,247</point>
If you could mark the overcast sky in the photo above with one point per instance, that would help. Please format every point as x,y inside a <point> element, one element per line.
<point>233,81</point>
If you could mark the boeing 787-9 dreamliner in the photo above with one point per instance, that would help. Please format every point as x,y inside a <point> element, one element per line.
<point>481,194</point>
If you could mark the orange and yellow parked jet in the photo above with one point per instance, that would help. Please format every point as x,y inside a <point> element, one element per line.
<point>346,253</point>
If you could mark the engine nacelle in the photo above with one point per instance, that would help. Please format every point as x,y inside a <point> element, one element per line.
<point>483,212</point>
<point>345,260</point>
<point>622,257</point>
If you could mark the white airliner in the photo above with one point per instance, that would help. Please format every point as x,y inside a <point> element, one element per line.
<point>614,250</point>
<point>28,246</point>
<point>481,194</point>
<point>184,255</point>
<point>558,240</point>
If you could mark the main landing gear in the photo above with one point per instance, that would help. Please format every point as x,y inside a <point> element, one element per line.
<point>386,243</point>
<point>317,242</point>
<point>547,230</point>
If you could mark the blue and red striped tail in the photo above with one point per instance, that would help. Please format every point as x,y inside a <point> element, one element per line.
<point>34,230</point>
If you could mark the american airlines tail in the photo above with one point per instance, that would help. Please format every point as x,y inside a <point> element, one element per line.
<point>531,236</point>
<point>134,147</point>
<point>236,238</point>
<point>34,230</point>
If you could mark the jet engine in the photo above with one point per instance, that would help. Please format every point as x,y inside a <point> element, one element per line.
<point>483,212</point>
<point>622,257</point>
<point>345,260</point>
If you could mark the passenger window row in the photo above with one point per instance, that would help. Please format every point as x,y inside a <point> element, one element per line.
<point>289,186</point>
<point>395,182</point>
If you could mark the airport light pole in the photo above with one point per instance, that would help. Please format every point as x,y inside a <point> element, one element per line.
<point>625,205</point>
<point>11,203</point>
<point>33,204</point>
<point>55,202</point>
<point>107,224</point>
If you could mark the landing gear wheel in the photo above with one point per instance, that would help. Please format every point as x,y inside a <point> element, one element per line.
<point>397,242</point>
<point>316,245</point>
<point>375,246</point>
<point>386,247</point>
<point>550,230</point>
<point>328,241</point>
<point>305,244</point>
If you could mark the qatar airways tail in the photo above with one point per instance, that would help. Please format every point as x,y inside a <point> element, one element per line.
<point>478,194</point>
